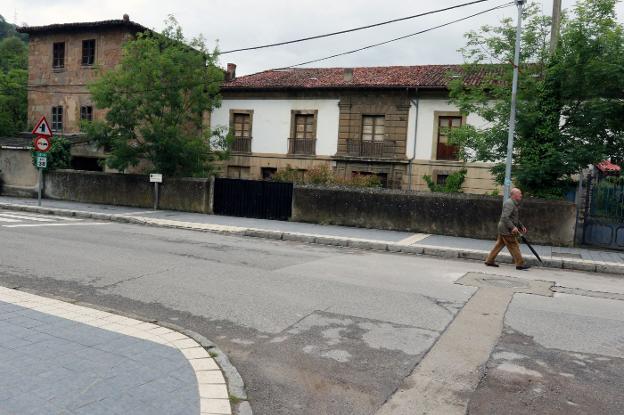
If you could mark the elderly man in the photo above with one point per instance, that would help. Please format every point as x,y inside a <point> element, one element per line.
<point>509,227</point>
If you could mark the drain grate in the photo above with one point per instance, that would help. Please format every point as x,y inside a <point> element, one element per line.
<point>566,255</point>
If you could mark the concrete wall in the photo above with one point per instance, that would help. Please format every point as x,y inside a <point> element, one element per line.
<point>17,172</point>
<point>472,216</point>
<point>270,128</point>
<point>186,194</point>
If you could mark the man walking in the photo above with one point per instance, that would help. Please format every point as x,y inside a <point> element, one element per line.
<point>509,227</point>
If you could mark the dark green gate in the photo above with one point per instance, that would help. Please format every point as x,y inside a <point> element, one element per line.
<point>604,220</point>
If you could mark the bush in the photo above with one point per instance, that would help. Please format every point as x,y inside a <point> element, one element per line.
<point>453,183</point>
<point>324,176</point>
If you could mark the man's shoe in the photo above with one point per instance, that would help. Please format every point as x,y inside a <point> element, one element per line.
<point>492,264</point>
<point>522,267</point>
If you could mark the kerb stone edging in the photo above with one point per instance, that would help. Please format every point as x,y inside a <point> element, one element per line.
<point>208,362</point>
<point>429,250</point>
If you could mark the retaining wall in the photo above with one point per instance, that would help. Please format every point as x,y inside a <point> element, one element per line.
<point>465,215</point>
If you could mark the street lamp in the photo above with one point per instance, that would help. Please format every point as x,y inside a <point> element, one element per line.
<point>512,113</point>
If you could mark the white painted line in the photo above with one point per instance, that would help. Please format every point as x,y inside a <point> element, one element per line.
<point>32,225</point>
<point>35,215</point>
<point>14,216</point>
<point>414,238</point>
<point>9,220</point>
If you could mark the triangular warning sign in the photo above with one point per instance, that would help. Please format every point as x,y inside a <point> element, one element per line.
<point>42,128</point>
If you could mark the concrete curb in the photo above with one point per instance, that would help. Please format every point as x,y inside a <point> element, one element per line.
<point>436,251</point>
<point>233,381</point>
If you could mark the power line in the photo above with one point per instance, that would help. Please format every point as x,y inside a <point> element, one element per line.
<point>400,19</point>
<point>395,39</point>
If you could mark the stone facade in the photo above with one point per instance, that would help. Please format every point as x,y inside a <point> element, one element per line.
<point>67,86</point>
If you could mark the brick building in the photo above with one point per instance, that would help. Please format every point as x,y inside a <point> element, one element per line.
<point>387,121</point>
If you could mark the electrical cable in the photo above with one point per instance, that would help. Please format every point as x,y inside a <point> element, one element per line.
<point>400,19</point>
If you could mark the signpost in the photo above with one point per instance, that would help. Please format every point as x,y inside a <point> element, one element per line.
<point>42,144</point>
<point>155,178</point>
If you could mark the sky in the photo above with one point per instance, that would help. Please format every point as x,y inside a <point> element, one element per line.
<point>242,23</point>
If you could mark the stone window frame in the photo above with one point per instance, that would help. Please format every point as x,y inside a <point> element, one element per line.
<point>293,123</point>
<point>55,118</point>
<point>233,112</point>
<point>92,54</point>
<point>436,127</point>
<point>58,62</point>
<point>374,134</point>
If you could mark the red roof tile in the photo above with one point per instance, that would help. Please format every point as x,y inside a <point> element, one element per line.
<point>424,76</point>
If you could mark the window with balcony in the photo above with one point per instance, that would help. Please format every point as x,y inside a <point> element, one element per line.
<point>303,135</point>
<point>88,52</point>
<point>58,55</point>
<point>371,143</point>
<point>446,151</point>
<point>241,129</point>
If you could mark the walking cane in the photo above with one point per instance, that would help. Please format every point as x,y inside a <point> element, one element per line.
<point>524,239</point>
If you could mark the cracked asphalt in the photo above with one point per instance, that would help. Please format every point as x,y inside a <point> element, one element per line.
<point>327,330</point>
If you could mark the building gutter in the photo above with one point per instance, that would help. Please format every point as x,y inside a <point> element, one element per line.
<point>411,159</point>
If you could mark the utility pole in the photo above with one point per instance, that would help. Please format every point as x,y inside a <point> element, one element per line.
<point>512,112</point>
<point>556,23</point>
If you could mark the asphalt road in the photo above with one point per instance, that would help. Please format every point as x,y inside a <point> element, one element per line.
<point>322,330</point>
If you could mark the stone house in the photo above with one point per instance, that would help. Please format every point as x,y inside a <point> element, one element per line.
<point>387,121</point>
<point>62,60</point>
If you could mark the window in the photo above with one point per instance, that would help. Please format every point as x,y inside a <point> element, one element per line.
<point>58,55</point>
<point>88,52</point>
<point>373,127</point>
<point>447,151</point>
<point>304,126</point>
<point>441,179</point>
<point>86,113</point>
<point>268,172</point>
<point>238,172</point>
<point>57,118</point>
<point>242,125</point>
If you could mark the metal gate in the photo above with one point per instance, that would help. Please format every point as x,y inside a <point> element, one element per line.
<point>252,198</point>
<point>604,220</point>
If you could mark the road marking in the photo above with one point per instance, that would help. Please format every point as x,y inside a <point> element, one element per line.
<point>444,380</point>
<point>8,220</point>
<point>14,216</point>
<point>33,215</point>
<point>414,238</point>
<point>32,225</point>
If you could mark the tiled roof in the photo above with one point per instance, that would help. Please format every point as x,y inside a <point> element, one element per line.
<point>423,76</point>
<point>71,27</point>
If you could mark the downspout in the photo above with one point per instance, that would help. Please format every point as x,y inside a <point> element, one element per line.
<point>411,159</point>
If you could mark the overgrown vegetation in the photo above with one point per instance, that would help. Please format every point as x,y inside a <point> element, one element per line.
<point>452,184</point>
<point>156,99</point>
<point>13,80</point>
<point>324,176</point>
<point>570,106</point>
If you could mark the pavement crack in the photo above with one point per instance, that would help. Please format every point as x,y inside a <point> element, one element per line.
<point>116,284</point>
<point>588,293</point>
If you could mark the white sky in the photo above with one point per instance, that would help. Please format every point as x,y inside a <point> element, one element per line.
<point>244,23</point>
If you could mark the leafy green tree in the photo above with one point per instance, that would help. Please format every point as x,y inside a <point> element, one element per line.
<point>570,106</point>
<point>13,80</point>
<point>156,100</point>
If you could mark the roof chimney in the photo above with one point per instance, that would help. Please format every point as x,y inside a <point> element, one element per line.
<point>348,74</point>
<point>126,18</point>
<point>230,73</point>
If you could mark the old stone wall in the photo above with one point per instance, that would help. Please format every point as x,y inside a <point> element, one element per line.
<point>18,175</point>
<point>185,194</point>
<point>465,215</point>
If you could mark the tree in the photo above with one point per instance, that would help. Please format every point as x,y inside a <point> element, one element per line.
<point>570,104</point>
<point>13,80</point>
<point>156,100</point>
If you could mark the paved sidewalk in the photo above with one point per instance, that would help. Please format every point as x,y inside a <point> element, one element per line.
<point>61,358</point>
<point>580,259</point>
